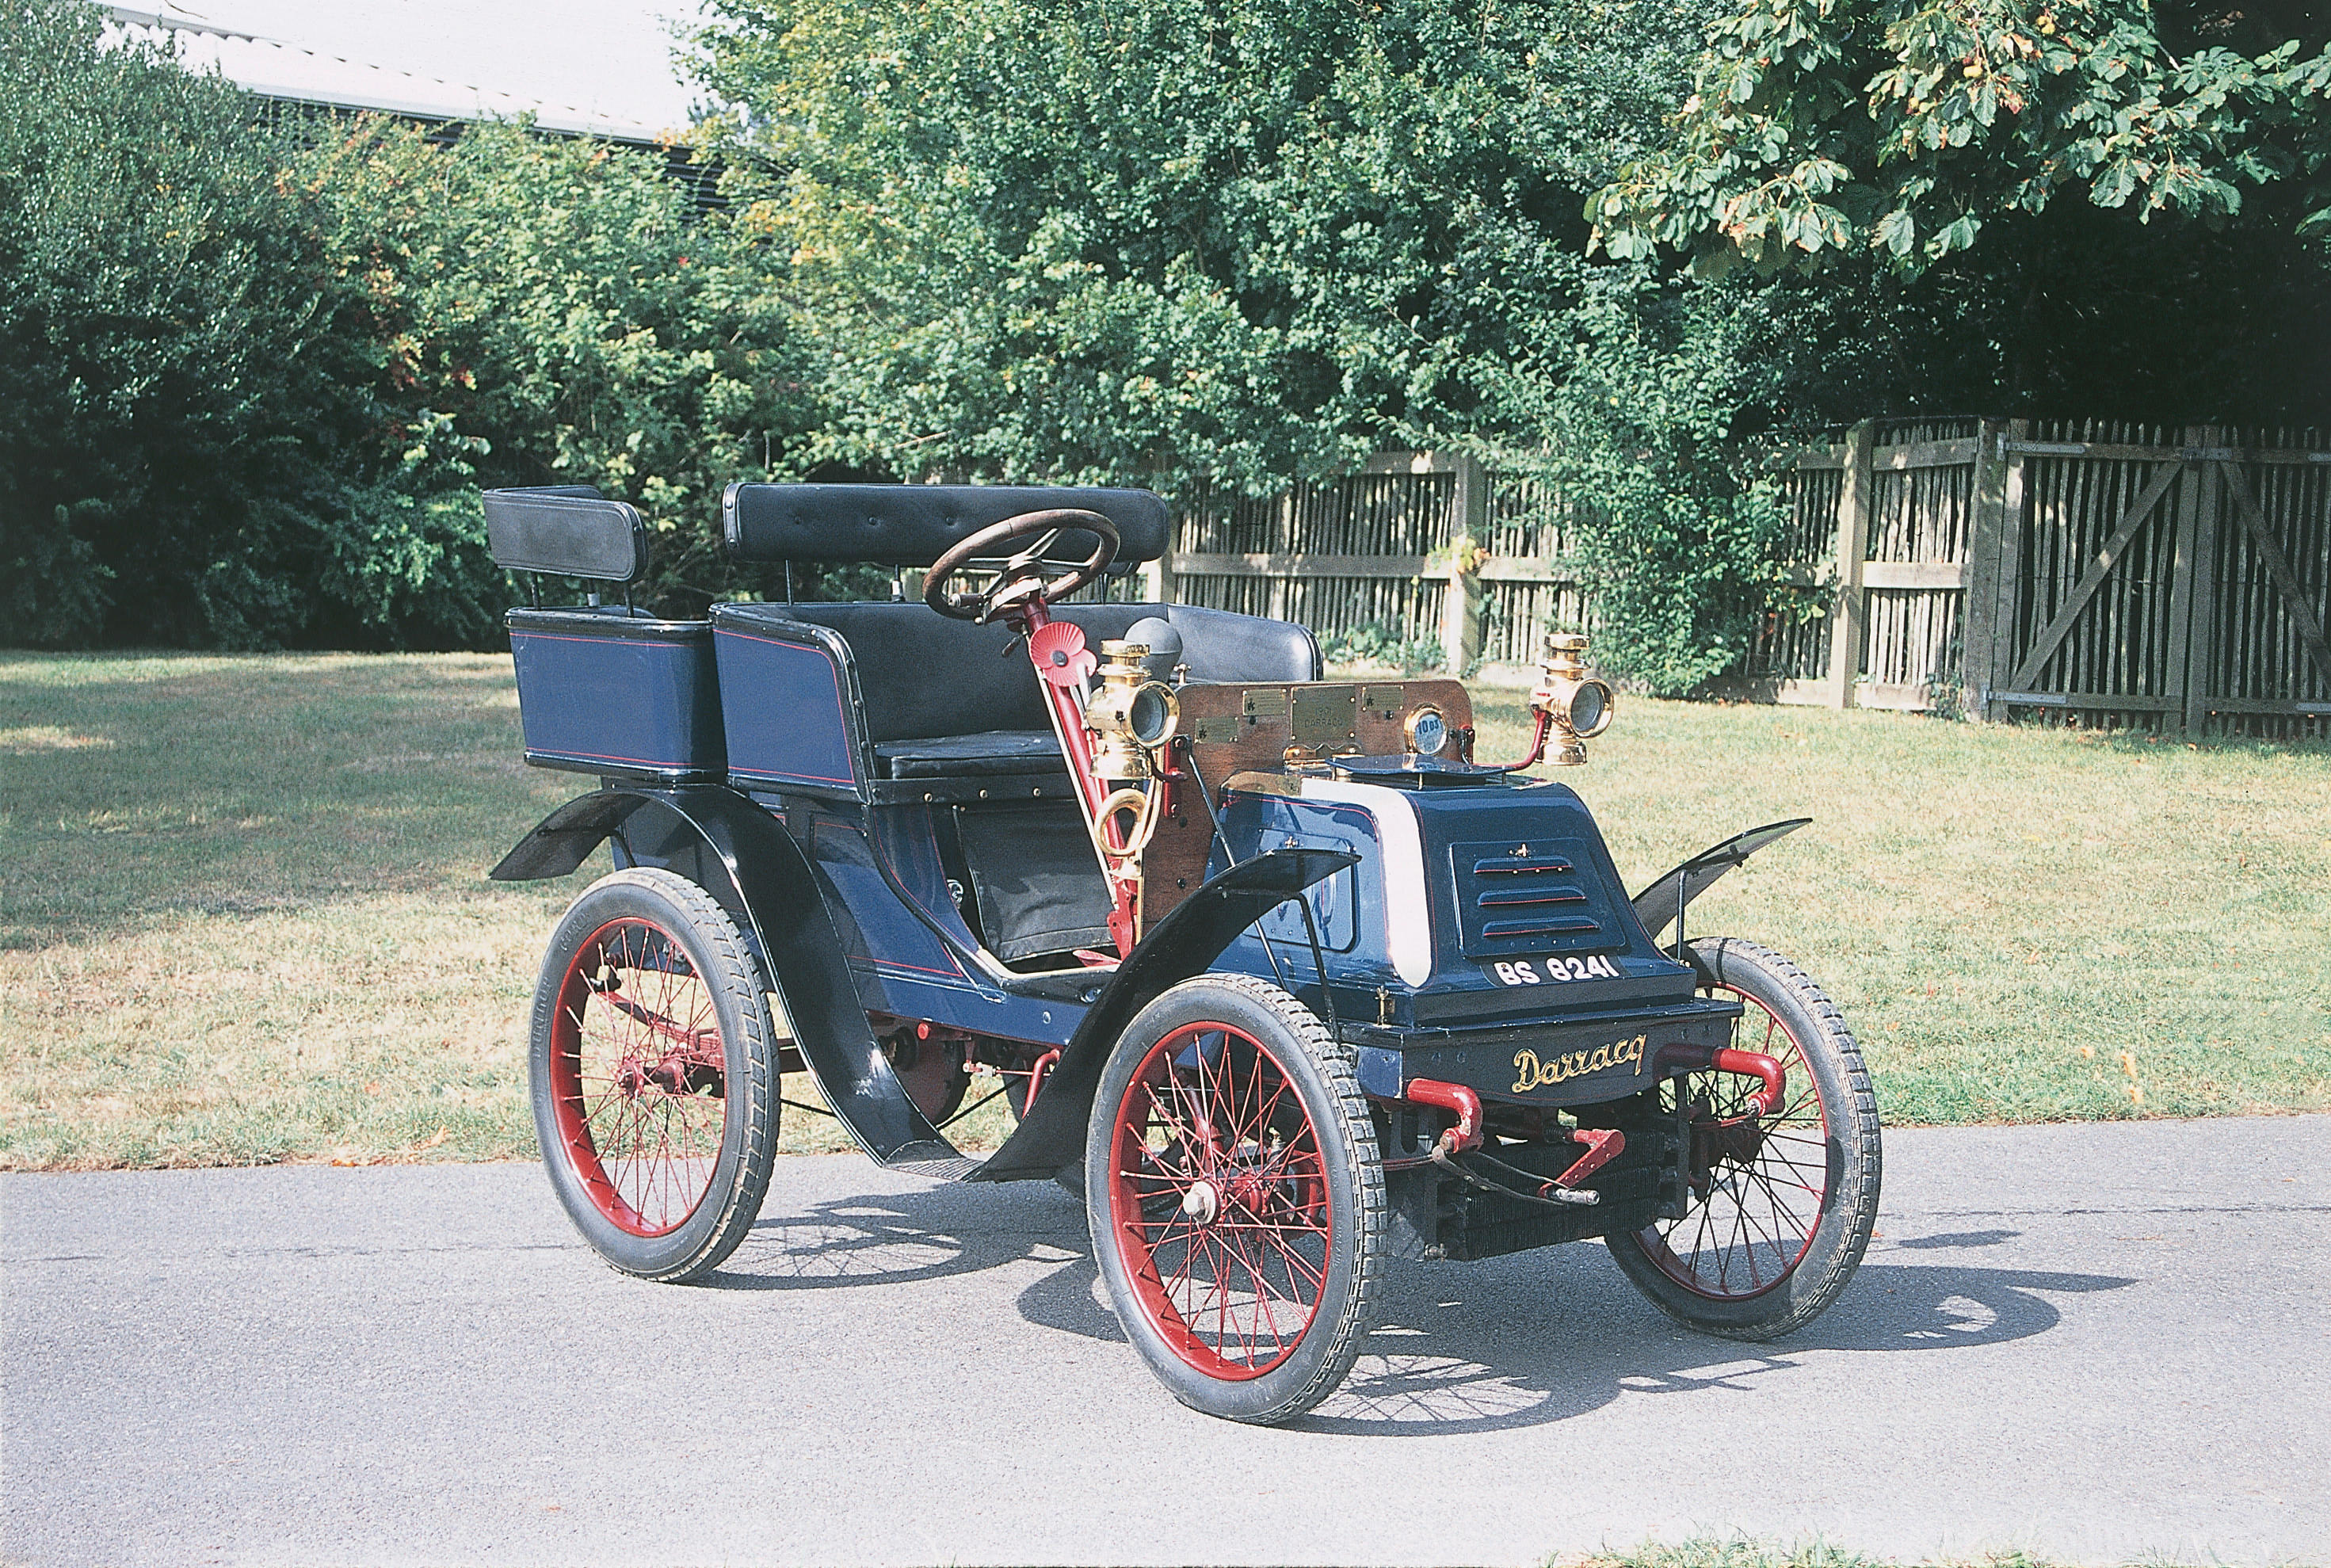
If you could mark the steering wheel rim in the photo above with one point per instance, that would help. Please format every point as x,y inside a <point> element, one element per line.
<point>1052,519</point>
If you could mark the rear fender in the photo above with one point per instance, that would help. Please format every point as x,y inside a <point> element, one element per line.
<point>1185,943</point>
<point>741,855</point>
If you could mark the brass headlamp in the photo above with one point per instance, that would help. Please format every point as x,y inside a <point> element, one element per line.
<point>1579,705</point>
<point>1131,716</point>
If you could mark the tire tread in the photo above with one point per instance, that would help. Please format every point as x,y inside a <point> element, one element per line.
<point>1861,1180</point>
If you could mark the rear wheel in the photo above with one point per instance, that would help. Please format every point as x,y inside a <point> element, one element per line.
<point>654,1068</point>
<point>1778,1209</point>
<point>1236,1198</point>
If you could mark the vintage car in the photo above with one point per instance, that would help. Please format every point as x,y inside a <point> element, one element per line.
<point>1269,968</point>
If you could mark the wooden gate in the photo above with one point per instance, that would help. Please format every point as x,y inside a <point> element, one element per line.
<point>2107,574</point>
<point>2152,578</point>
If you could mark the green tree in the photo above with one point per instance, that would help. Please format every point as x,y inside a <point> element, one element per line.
<point>540,311</point>
<point>170,418</point>
<point>1240,239</point>
<point>1825,127</point>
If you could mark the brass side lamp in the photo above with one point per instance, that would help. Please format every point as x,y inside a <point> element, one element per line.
<point>1131,716</point>
<point>1577,707</point>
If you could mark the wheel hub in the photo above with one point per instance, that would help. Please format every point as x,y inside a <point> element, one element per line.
<point>1250,1192</point>
<point>1202,1203</point>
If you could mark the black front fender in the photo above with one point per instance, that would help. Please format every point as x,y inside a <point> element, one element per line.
<point>1662,904</point>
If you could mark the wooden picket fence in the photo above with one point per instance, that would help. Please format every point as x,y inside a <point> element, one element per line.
<point>2110,575</point>
<point>2113,575</point>
<point>1360,552</point>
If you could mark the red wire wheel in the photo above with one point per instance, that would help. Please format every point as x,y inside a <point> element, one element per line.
<point>1778,1209</point>
<point>651,1063</point>
<point>1236,1198</point>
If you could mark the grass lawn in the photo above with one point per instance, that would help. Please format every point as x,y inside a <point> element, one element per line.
<point>244,915</point>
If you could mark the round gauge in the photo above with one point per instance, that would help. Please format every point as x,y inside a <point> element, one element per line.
<point>1427,731</point>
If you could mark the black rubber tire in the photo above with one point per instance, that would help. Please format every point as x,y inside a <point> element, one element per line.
<point>1348,1191</point>
<point>687,918</point>
<point>1783,1007</point>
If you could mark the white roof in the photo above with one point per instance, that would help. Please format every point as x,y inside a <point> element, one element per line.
<point>594,67</point>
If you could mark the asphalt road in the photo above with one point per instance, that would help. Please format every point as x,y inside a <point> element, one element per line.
<point>2094,1343</point>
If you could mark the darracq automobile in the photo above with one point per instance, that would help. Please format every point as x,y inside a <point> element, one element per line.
<point>1274,970</point>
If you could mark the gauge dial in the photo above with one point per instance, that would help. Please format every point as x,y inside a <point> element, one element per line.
<point>1427,730</point>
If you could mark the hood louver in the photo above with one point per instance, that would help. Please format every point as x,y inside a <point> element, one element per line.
<point>1517,897</point>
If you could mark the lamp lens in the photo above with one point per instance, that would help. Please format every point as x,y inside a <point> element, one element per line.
<point>1150,715</point>
<point>1590,709</point>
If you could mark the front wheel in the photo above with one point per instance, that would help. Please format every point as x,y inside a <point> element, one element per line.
<point>1778,1210</point>
<point>653,1066</point>
<point>1236,1198</point>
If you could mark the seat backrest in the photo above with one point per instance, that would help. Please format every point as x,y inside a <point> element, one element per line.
<point>914,525</point>
<point>566,531</point>
<point>922,674</point>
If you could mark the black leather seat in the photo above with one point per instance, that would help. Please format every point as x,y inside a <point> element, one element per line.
<point>992,753</point>
<point>947,699</point>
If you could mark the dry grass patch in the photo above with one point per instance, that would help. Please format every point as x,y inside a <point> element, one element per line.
<point>2005,913</point>
<point>244,915</point>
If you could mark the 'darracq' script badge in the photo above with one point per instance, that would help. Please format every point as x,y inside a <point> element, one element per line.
<point>1530,1073</point>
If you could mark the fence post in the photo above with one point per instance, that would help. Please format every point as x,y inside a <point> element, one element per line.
<point>1157,575</point>
<point>2192,597</point>
<point>1462,622</point>
<point>1979,603</point>
<point>2005,592</point>
<point>1847,614</point>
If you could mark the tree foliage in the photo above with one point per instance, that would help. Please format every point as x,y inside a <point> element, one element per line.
<point>1818,128</point>
<point>250,384</point>
<point>1242,239</point>
<point>541,310</point>
<point>170,413</point>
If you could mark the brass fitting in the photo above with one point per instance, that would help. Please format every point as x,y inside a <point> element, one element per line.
<point>1579,705</point>
<point>1131,716</point>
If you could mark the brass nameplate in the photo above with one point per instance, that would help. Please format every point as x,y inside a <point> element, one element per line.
<point>1264,784</point>
<point>1326,715</point>
<point>1383,700</point>
<point>1264,702</point>
<point>1217,729</point>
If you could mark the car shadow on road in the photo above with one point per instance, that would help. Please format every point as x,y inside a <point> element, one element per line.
<point>1510,1342</point>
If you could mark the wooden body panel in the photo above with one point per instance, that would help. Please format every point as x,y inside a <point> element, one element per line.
<point>1236,729</point>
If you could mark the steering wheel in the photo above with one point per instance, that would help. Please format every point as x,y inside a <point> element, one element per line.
<point>1022,575</point>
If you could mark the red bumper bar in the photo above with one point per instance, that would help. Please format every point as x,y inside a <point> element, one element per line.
<point>1451,1097</point>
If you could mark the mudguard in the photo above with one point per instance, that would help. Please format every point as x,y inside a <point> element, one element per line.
<point>1052,1134</point>
<point>736,852</point>
<point>741,855</point>
<point>1662,904</point>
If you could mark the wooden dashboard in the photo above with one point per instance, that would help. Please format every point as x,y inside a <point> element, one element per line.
<point>1235,729</point>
